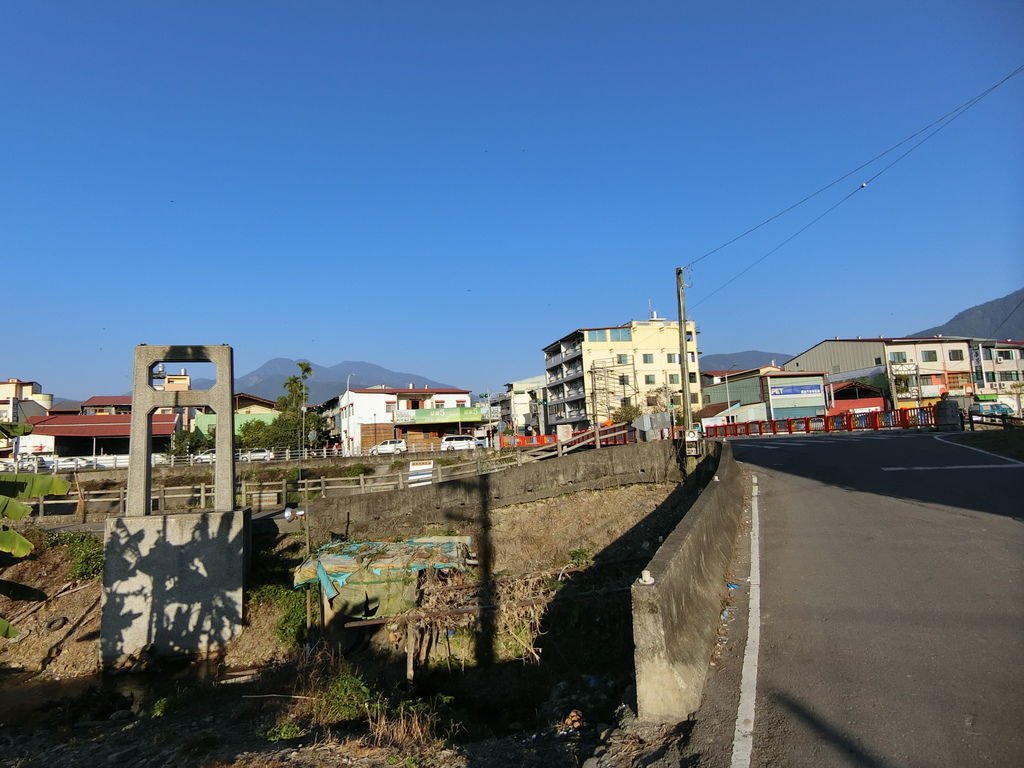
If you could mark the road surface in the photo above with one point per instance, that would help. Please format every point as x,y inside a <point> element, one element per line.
<point>891,621</point>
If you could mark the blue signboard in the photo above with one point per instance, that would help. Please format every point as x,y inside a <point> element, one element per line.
<point>796,390</point>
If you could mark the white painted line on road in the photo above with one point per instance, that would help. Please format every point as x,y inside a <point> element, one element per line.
<point>1016,465</point>
<point>945,439</point>
<point>743,738</point>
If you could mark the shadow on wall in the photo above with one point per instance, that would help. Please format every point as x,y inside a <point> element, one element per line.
<point>172,585</point>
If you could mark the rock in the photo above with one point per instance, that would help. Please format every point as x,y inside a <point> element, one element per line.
<point>122,714</point>
<point>591,762</point>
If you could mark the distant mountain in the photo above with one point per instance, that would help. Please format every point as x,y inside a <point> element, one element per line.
<point>741,361</point>
<point>997,319</point>
<point>326,382</point>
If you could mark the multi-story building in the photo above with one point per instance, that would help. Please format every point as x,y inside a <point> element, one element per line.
<point>918,370</point>
<point>592,372</point>
<point>516,405</point>
<point>21,399</point>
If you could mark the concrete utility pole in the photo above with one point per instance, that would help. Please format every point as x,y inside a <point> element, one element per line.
<point>684,364</point>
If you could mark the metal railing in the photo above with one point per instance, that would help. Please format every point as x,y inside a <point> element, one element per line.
<point>905,418</point>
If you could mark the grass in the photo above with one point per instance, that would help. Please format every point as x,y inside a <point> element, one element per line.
<point>85,550</point>
<point>1005,442</point>
<point>291,627</point>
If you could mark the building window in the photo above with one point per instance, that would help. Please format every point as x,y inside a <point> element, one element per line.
<point>692,377</point>
<point>673,378</point>
<point>648,359</point>
<point>986,353</point>
<point>929,356</point>
<point>624,378</point>
<point>621,334</point>
<point>390,407</point>
<point>626,401</point>
<point>897,357</point>
<point>878,361</point>
<point>622,359</point>
<point>990,376</point>
<point>692,356</point>
<point>601,335</point>
<point>673,357</point>
<point>956,355</point>
<point>652,400</point>
<point>1007,375</point>
<point>694,399</point>
<point>1004,354</point>
<point>649,379</point>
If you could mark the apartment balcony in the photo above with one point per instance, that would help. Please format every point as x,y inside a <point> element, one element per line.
<point>552,361</point>
<point>569,353</point>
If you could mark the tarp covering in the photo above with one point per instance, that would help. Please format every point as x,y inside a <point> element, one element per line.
<point>364,579</point>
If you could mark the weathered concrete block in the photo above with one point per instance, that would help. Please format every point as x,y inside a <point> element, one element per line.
<point>174,583</point>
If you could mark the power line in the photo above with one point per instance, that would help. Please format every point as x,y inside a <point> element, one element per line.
<point>938,126</point>
<point>949,116</point>
<point>1012,312</point>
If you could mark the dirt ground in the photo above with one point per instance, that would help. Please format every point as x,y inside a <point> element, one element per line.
<point>225,719</point>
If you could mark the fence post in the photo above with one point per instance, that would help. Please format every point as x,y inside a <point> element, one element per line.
<point>202,494</point>
<point>163,499</point>
<point>597,435</point>
<point>519,458</point>
<point>245,493</point>
<point>362,483</point>
<point>121,501</point>
<point>42,506</point>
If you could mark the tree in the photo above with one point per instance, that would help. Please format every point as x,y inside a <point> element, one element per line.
<point>185,443</point>
<point>13,487</point>
<point>627,414</point>
<point>289,427</point>
<point>1017,389</point>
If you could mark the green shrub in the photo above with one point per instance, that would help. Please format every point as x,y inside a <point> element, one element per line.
<point>285,730</point>
<point>85,550</point>
<point>581,558</point>
<point>345,698</point>
<point>291,627</point>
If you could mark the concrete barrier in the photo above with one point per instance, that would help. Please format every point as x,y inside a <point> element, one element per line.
<point>676,614</point>
<point>395,513</point>
<point>172,585</point>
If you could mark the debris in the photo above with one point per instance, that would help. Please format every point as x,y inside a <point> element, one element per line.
<point>732,585</point>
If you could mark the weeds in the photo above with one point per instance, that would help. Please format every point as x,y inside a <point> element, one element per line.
<point>174,703</point>
<point>411,726</point>
<point>581,558</point>
<point>285,730</point>
<point>291,627</point>
<point>346,698</point>
<point>86,552</point>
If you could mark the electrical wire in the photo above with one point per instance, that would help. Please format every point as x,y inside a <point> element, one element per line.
<point>938,125</point>
<point>944,120</point>
<point>1012,312</point>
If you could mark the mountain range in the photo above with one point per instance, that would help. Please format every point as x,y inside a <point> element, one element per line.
<point>326,382</point>
<point>741,361</point>
<point>997,319</point>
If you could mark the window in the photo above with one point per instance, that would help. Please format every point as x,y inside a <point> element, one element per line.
<point>897,357</point>
<point>878,361</point>
<point>622,359</point>
<point>956,355</point>
<point>673,378</point>
<point>692,356</point>
<point>1007,375</point>
<point>673,357</point>
<point>990,376</point>
<point>694,399</point>
<point>649,378</point>
<point>624,378</point>
<point>625,401</point>
<point>601,335</point>
<point>652,400</point>
<point>929,356</point>
<point>390,407</point>
<point>1004,354</point>
<point>621,334</point>
<point>692,378</point>
<point>648,359</point>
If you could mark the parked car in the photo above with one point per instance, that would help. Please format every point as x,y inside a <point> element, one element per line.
<point>8,466</point>
<point>389,446</point>
<point>990,409</point>
<point>73,463</point>
<point>32,462</point>
<point>206,457</point>
<point>257,454</point>
<point>459,443</point>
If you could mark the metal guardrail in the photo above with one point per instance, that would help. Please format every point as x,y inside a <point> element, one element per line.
<point>906,418</point>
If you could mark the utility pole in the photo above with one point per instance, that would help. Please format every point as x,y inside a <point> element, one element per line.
<point>684,364</point>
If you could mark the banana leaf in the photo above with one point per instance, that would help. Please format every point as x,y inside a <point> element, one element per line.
<point>13,542</point>
<point>28,485</point>
<point>8,630</point>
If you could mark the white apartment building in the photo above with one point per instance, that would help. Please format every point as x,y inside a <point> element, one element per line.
<point>517,404</point>
<point>592,372</point>
<point>420,416</point>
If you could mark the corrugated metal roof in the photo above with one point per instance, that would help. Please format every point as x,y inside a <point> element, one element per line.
<point>104,400</point>
<point>110,425</point>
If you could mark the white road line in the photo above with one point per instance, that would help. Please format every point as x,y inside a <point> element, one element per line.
<point>743,738</point>
<point>1015,465</point>
<point>945,439</point>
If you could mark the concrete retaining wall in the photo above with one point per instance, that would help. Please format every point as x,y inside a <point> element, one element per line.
<point>173,583</point>
<point>675,618</point>
<point>468,500</point>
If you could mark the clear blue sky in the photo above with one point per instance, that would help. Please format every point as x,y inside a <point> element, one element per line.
<point>445,187</point>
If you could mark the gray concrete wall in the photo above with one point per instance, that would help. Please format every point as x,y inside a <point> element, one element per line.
<point>172,582</point>
<point>675,618</point>
<point>467,500</point>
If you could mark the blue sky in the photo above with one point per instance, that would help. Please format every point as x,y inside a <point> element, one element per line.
<point>444,188</point>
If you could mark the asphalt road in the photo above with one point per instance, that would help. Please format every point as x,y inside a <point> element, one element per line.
<point>892,603</point>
